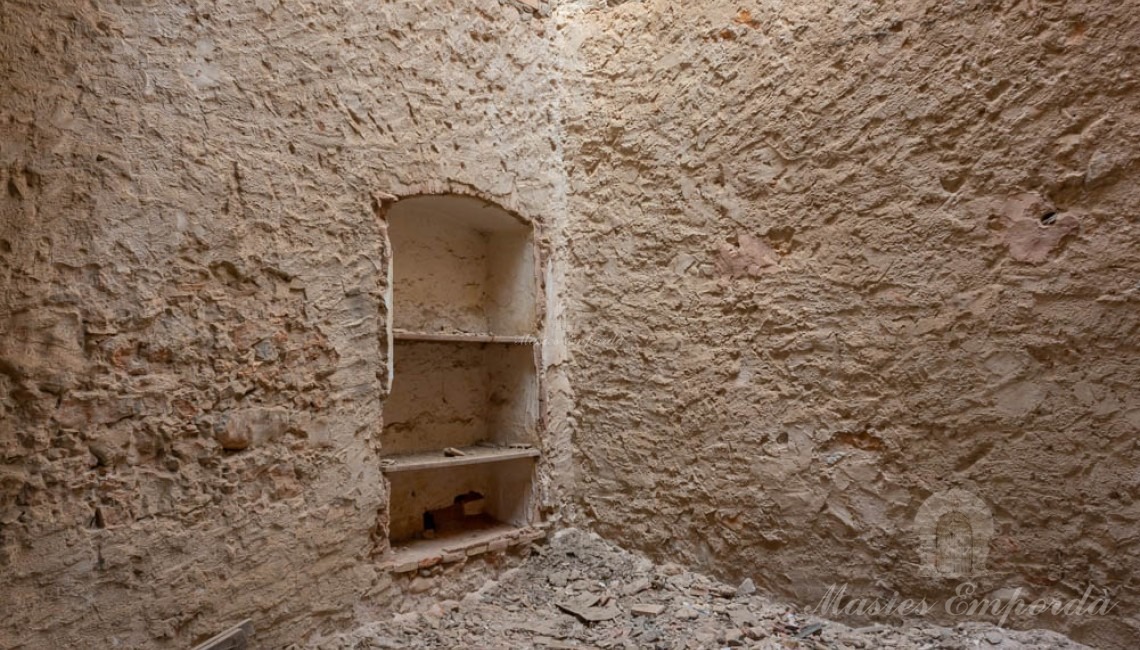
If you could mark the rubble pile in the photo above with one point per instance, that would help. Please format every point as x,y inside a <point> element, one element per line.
<point>580,592</point>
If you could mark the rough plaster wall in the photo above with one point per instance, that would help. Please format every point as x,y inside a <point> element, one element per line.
<point>513,396</point>
<point>439,397</point>
<point>511,274</point>
<point>190,255</point>
<point>794,315</point>
<point>461,265</point>
<point>810,288</point>
<point>438,278</point>
<point>505,487</point>
<point>459,394</point>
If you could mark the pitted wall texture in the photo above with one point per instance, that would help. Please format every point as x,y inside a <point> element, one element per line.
<point>812,287</point>
<point>192,294</point>
<point>825,261</point>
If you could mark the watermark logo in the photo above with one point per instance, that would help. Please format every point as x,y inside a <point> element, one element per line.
<point>954,529</point>
<point>966,602</point>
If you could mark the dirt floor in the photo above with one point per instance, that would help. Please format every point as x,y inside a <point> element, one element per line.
<point>581,592</point>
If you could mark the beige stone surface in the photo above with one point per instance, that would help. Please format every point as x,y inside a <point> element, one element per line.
<point>812,287</point>
<point>804,266</point>
<point>193,280</point>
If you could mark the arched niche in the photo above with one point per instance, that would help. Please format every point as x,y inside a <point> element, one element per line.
<point>462,265</point>
<point>462,415</point>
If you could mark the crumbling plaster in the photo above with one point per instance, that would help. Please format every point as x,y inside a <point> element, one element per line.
<point>832,258</point>
<point>193,282</point>
<point>796,282</point>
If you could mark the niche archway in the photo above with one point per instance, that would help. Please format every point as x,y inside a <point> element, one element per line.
<point>462,417</point>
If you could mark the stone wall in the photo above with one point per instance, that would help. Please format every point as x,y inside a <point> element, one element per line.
<point>833,258</point>
<point>825,261</point>
<point>193,275</point>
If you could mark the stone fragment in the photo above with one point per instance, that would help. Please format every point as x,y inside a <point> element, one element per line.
<point>235,439</point>
<point>723,591</point>
<point>551,643</point>
<point>746,588</point>
<point>647,609</point>
<point>589,609</point>
<point>637,586</point>
<point>384,197</point>
<point>238,430</point>
<point>809,630</point>
<point>649,636</point>
<point>756,633</point>
<point>1101,166</point>
<point>741,617</point>
<point>265,351</point>
<point>732,637</point>
<point>406,567</point>
<point>102,453</point>
<point>687,613</point>
<point>705,638</point>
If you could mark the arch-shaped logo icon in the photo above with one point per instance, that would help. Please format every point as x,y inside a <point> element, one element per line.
<point>954,530</point>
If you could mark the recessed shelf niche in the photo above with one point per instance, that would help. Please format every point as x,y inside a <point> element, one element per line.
<point>461,265</point>
<point>461,423</point>
<point>452,394</point>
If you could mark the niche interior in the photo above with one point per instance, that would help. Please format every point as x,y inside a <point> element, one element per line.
<point>461,423</point>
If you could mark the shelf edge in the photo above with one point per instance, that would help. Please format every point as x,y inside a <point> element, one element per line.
<point>522,339</point>
<point>418,464</point>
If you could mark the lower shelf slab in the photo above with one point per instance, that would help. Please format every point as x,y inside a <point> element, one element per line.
<point>456,547</point>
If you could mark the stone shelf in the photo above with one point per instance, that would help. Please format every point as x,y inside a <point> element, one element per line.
<point>471,456</point>
<point>461,337</point>
<point>483,537</point>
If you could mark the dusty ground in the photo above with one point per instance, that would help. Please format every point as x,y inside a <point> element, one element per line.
<point>529,607</point>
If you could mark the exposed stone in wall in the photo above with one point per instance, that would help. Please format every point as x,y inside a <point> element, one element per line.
<point>826,260</point>
<point>833,258</point>
<point>192,294</point>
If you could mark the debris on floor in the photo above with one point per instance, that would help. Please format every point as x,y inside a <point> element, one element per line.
<point>580,592</point>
